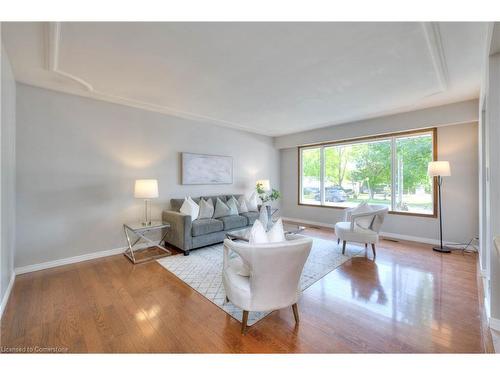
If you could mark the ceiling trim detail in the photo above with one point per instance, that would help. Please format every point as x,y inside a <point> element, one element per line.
<point>54,35</point>
<point>436,50</point>
<point>53,43</point>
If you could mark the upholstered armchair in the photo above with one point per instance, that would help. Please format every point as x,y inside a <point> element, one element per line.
<point>264,277</point>
<point>363,227</point>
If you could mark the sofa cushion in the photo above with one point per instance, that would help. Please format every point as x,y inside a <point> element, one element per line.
<point>251,216</point>
<point>205,226</point>
<point>234,221</point>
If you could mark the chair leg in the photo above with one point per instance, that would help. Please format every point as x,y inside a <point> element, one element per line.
<point>244,322</point>
<point>343,246</point>
<point>374,251</point>
<point>295,312</point>
<point>338,241</point>
<point>366,245</point>
<point>227,299</point>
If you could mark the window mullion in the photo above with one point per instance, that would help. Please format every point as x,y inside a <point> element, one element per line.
<point>393,173</point>
<point>322,176</point>
<point>301,177</point>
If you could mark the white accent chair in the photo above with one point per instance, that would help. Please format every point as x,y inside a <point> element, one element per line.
<point>350,231</point>
<point>274,271</point>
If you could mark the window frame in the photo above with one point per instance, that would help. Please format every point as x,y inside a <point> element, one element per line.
<point>389,136</point>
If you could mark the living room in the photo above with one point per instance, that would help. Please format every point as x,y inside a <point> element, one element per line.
<point>250,187</point>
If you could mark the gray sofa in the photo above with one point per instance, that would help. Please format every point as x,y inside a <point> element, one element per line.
<point>187,235</point>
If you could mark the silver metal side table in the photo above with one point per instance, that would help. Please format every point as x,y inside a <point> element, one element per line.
<point>140,231</point>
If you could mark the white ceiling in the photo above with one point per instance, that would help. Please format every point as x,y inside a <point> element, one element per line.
<point>267,78</point>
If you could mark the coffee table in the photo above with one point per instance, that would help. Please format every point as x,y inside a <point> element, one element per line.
<point>244,233</point>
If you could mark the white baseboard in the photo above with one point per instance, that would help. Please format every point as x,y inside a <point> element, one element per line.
<point>302,221</point>
<point>62,262</point>
<point>396,236</point>
<point>495,324</point>
<point>6,296</point>
<point>404,237</point>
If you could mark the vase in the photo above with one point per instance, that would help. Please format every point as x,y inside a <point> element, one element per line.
<point>269,213</point>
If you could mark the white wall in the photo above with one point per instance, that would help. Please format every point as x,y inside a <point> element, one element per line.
<point>457,144</point>
<point>489,136</point>
<point>7,177</point>
<point>451,114</point>
<point>492,185</point>
<point>77,160</point>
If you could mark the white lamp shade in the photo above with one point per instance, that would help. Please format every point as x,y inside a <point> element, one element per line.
<point>438,168</point>
<point>146,189</point>
<point>265,185</point>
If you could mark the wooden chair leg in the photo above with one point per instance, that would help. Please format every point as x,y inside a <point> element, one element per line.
<point>338,241</point>
<point>343,246</point>
<point>244,322</point>
<point>295,312</point>
<point>374,252</point>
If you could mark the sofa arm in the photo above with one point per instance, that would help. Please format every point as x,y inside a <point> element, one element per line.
<point>179,233</point>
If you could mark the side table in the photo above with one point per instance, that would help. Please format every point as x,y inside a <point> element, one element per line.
<point>140,231</point>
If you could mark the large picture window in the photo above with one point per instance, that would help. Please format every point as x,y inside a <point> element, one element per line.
<point>390,170</point>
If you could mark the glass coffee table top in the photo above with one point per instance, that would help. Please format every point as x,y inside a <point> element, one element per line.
<point>244,234</point>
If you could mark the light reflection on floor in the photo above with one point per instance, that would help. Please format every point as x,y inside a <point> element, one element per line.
<point>403,294</point>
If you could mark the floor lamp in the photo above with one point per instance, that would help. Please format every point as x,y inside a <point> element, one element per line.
<point>440,169</point>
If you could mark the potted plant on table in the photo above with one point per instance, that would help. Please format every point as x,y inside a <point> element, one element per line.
<point>267,195</point>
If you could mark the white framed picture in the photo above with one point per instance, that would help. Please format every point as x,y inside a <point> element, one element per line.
<point>201,169</point>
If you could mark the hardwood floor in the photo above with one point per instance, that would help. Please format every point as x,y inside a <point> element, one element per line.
<point>410,299</point>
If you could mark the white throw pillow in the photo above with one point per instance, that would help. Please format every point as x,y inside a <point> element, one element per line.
<point>232,203</point>
<point>242,205</point>
<point>221,209</point>
<point>189,207</point>
<point>276,233</point>
<point>364,222</point>
<point>258,234</point>
<point>206,209</point>
<point>252,203</point>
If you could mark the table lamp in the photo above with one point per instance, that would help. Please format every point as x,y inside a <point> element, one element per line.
<point>147,190</point>
<point>264,185</point>
<point>439,169</point>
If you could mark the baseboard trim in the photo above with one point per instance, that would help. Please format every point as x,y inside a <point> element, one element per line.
<point>302,221</point>
<point>6,296</point>
<point>396,236</point>
<point>404,237</point>
<point>495,324</point>
<point>65,261</point>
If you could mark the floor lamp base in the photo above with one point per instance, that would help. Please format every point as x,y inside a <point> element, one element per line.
<point>443,249</point>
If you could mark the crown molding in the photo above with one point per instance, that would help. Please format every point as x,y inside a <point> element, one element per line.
<point>53,42</point>
<point>436,50</point>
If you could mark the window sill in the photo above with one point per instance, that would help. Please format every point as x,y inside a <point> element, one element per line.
<point>430,216</point>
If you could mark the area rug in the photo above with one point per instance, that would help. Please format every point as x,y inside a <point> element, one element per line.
<point>202,271</point>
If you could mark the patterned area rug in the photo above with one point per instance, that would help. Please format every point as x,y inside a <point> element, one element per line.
<point>202,271</point>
